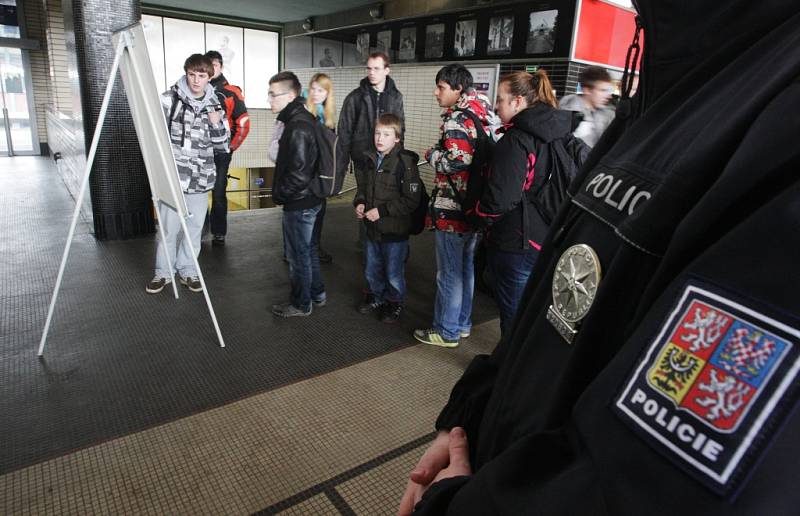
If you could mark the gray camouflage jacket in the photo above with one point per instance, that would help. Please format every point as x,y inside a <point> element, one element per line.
<point>194,138</point>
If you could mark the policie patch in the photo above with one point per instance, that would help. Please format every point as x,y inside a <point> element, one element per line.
<point>713,387</point>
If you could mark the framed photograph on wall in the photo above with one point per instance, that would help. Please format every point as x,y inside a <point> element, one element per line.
<point>501,35</point>
<point>383,42</point>
<point>434,41</point>
<point>362,47</point>
<point>464,44</point>
<point>541,32</point>
<point>327,53</point>
<point>297,52</point>
<point>408,44</point>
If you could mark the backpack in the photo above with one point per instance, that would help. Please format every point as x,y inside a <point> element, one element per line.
<point>332,163</point>
<point>420,212</point>
<point>567,155</point>
<point>481,160</point>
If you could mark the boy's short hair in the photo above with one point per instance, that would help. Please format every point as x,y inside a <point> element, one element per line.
<point>456,75</point>
<point>291,78</point>
<point>380,55</point>
<point>393,121</point>
<point>198,63</point>
<point>592,75</point>
<point>215,56</point>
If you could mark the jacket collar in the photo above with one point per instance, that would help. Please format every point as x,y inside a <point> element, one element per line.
<point>292,109</point>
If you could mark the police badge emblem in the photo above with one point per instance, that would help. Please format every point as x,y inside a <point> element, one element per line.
<point>711,386</point>
<point>575,282</point>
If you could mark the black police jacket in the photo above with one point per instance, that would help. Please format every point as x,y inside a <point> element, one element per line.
<point>677,393</point>
<point>297,157</point>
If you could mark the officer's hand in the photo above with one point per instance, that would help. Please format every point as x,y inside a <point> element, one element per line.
<point>214,117</point>
<point>360,211</point>
<point>435,459</point>
<point>459,456</point>
<point>372,215</point>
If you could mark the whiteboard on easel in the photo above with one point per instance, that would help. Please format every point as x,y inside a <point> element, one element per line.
<point>149,118</point>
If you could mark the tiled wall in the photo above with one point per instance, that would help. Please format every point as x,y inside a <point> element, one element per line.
<point>35,29</point>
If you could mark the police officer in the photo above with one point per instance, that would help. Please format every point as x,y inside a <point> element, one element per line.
<point>653,368</point>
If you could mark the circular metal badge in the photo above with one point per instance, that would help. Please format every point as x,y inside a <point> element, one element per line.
<point>575,282</point>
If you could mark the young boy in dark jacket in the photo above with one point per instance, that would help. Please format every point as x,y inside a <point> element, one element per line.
<point>389,191</point>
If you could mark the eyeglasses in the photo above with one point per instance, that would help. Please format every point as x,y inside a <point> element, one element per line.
<point>273,95</point>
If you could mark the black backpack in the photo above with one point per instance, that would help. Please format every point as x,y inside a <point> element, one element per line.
<point>331,165</point>
<point>478,170</point>
<point>567,155</point>
<point>421,211</point>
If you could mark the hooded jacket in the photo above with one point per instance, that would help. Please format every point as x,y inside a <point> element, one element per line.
<point>358,116</point>
<point>232,100</point>
<point>594,121</point>
<point>520,164</point>
<point>676,392</point>
<point>451,159</point>
<point>194,138</point>
<point>394,189</point>
<point>297,158</point>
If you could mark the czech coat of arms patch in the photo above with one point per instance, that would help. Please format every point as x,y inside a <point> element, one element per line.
<point>711,386</point>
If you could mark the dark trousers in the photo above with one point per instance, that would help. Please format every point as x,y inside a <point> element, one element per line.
<point>317,234</point>
<point>304,275</point>
<point>511,272</point>
<point>219,203</point>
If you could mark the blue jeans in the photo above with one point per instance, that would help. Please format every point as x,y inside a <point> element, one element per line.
<point>304,277</point>
<point>455,283</point>
<point>317,235</point>
<point>385,269</point>
<point>511,272</point>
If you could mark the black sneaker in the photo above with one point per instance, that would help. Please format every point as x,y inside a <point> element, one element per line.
<point>324,256</point>
<point>391,312</point>
<point>157,284</point>
<point>192,283</point>
<point>369,304</point>
<point>289,310</point>
<point>218,241</point>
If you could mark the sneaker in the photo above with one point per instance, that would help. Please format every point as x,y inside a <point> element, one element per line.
<point>218,241</point>
<point>434,338</point>
<point>289,310</point>
<point>465,334</point>
<point>157,284</point>
<point>391,312</point>
<point>322,302</point>
<point>369,304</point>
<point>324,256</point>
<point>191,282</point>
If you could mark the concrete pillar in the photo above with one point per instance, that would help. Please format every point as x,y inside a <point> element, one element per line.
<point>120,194</point>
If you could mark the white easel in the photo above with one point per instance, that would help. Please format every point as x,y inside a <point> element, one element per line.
<point>134,76</point>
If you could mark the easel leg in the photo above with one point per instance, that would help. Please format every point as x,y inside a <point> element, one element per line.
<point>202,281</point>
<point>163,237</point>
<point>84,184</point>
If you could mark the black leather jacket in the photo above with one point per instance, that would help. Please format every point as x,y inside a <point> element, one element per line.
<point>297,156</point>
<point>357,119</point>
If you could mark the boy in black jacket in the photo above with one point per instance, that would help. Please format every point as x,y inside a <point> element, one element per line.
<point>389,191</point>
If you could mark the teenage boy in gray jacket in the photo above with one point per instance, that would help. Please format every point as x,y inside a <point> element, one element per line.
<point>197,127</point>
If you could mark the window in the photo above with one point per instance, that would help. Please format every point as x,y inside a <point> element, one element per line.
<point>250,56</point>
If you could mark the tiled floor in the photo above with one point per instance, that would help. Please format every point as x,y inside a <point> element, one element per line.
<point>136,411</point>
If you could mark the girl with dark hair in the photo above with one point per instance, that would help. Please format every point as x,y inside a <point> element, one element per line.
<point>515,228</point>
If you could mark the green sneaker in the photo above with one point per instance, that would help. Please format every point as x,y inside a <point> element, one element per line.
<point>434,338</point>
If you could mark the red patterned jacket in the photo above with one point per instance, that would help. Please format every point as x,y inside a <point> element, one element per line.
<point>451,158</point>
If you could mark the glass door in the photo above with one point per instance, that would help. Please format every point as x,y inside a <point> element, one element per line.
<point>16,112</point>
